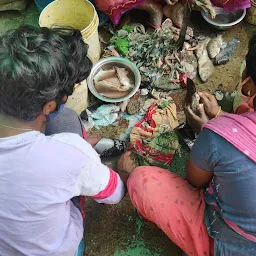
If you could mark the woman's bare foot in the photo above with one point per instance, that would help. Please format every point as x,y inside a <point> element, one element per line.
<point>93,138</point>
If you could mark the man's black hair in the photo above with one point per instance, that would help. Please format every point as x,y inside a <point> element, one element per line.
<point>38,65</point>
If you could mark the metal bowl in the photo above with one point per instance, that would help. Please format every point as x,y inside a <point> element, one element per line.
<point>108,63</point>
<point>224,20</point>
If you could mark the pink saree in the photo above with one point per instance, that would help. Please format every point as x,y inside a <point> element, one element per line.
<point>116,8</point>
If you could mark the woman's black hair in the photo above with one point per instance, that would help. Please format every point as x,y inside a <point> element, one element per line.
<point>251,59</point>
<point>39,65</point>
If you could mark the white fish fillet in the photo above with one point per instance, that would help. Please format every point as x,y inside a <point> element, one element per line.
<point>113,83</point>
<point>214,46</point>
<point>122,76</point>
<point>104,74</point>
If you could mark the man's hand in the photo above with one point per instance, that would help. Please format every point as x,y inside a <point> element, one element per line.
<point>210,103</point>
<point>196,120</point>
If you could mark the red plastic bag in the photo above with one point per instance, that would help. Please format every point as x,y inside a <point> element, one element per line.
<point>116,8</point>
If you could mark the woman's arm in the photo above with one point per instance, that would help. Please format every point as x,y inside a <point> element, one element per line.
<point>197,177</point>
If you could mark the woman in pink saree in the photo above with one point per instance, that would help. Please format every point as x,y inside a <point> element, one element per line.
<point>213,210</point>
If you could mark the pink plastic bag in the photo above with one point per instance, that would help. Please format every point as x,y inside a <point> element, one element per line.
<point>116,8</point>
<point>232,5</point>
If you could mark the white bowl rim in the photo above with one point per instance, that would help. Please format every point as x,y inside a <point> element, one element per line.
<point>121,61</point>
<point>206,17</point>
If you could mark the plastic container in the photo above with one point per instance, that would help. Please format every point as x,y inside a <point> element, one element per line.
<point>79,14</point>
<point>78,101</point>
<point>251,13</point>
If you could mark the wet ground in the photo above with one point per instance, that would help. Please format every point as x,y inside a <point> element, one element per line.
<point>118,230</point>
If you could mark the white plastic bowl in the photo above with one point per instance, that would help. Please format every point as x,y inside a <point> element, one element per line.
<point>224,20</point>
<point>109,63</point>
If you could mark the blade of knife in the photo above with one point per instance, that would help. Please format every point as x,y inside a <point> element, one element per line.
<point>191,90</point>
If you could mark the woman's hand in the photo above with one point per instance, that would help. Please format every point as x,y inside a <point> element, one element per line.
<point>125,166</point>
<point>125,163</point>
<point>210,103</point>
<point>196,120</point>
<point>93,138</point>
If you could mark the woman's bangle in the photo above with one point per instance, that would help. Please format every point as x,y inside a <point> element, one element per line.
<point>218,112</point>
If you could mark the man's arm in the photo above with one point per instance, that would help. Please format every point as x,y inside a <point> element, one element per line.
<point>99,181</point>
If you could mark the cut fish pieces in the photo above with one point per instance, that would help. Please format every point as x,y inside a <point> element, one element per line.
<point>104,74</point>
<point>122,75</point>
<point>214,46</point>
<point>205,66</point>
<point>113,83</point>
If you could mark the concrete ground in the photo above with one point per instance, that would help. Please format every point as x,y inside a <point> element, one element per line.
<point>118,230</point>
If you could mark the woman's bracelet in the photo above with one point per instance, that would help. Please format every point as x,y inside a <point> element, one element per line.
<point>218,112</point>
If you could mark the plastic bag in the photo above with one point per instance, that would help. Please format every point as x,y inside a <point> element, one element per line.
<point>232,5</point>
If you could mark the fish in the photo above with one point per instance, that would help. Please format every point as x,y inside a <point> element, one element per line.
<point>207,6</point>
<point>122,76</point>
<point>104,74</point>
<point>189,69</point>
<point>226,53</point>
<point>214,46</point>
<point>113,83</point>
<point>205,66</point>
<point>201,46</point>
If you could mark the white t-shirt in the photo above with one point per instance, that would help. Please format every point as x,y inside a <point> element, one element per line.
<point>38,176</point>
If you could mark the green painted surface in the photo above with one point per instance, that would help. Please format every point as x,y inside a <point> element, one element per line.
<point>137,249</point>
<point>135,246</point>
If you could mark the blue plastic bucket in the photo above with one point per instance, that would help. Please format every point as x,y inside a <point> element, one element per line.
<point>41,4</point>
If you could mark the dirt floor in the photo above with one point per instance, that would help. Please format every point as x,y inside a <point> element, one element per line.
<point>121,232</point>
<point>118,230</point>
<point>226,76</point>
